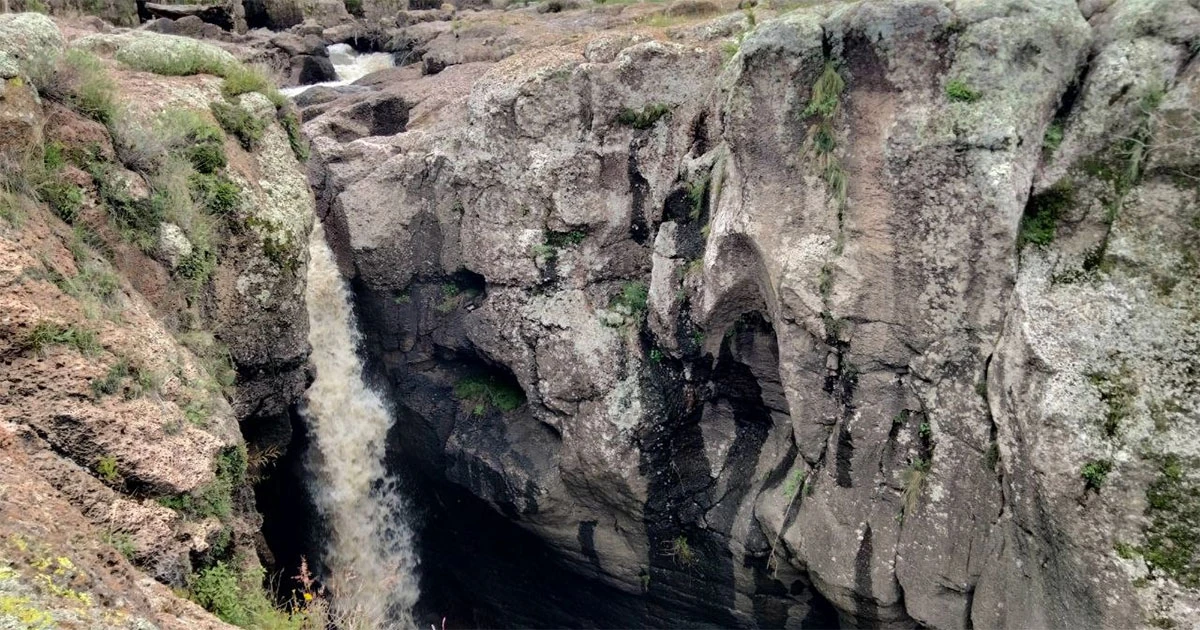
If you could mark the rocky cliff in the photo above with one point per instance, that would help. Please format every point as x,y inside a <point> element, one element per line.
<point>755,317</point>
<point>153,230</point>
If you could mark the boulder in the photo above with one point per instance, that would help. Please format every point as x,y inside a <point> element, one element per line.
<point>30,45</point>
<point>221,15</point>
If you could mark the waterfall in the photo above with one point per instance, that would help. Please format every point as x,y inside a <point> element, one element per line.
<point>369,555</point>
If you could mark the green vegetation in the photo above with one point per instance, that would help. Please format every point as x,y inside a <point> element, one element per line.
<point>1173,537</point>
<point>64,198</point>
<point>1118,392</point>
<point>489,390</point>
<point>632,297</point>
<point>122,542</point>
<point>216,194</point>
<point>825,100</point>
<point>106,467</point>
<point>237,597</point>
<point>824,104</point>
<point>241,79</point>
<point>124,377</point>
<point>214,356</point>
<point>1095,472</point>
<point>82,83</point>
<point>236,120</point>
<point>291,124</point>
<point>216,498</point>
<point>47,334</point>
<point>645,118</point>
<point>681,551</point>
<point>958,90</point>
<point>137,220</point>
<point>1040,222</point>
<point>794,483</point>
<point>1053,138</point>
<point>656,355</point>
<point>925,431</point>
<point>565,239</point>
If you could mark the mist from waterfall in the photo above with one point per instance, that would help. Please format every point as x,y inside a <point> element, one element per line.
<point>369,558</point>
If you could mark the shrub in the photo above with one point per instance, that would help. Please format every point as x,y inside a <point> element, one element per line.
<point>644,118</point>
<point>47,334</point>
<point>241,123</point>
<point>216,194</point>
<point>237,597</point>
<point>64,198</point>
<point>138,220</point>
<point>958,90</point>
<point>122,542</point>
<point>215,357</point>
<point>1173,537</point>
<point>198,268</point>
<point>216,498</point>
<point>564,239</point>
<point>1095,472</point>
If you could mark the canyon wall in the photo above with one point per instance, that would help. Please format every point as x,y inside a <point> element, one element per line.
<point>153,270</point>
<point>882,310</point>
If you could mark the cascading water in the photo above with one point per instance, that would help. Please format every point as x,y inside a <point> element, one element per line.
<point>369,557</point>
<point>349,66</point>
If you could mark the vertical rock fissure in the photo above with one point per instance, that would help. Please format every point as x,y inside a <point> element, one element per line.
<point>369,556</point>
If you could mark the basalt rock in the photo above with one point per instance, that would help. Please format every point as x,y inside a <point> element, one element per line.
<point>877,308</point>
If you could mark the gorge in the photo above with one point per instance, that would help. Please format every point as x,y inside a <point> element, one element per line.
<point>601,314</point>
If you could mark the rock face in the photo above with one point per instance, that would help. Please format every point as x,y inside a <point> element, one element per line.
<point>152,268</point>
<point>882,310</point>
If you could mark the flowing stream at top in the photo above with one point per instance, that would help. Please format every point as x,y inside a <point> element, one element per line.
<point>369,555</point>
<point>349,66</point>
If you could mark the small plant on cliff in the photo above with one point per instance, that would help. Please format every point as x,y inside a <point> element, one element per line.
<point>1094,473</point>
<point>645,117</point>
<point>47,334</point>
<point>824,104</point>
<point>64,198</point>
<point>680,550</point>
<point>1040,221</point>
<point>241,79</point>
<point>958,90</point>
<point>82,83</point>
<point>106,467</point>
<point>239,122</point>
<point>482,391</point>
<point>1053,138</point>
<point>633,297</point>
<point>794,483</point>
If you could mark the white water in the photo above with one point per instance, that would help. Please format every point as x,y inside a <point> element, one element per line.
<point>369,557</point>
<point>349,67</point>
